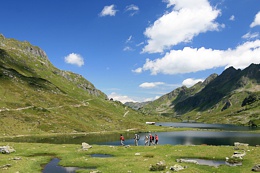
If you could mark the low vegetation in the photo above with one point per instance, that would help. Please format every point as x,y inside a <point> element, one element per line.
<point>31,158</point>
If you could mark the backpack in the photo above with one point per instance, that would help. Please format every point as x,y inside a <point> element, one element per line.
<point>138,137</point>
<point>152,137</point>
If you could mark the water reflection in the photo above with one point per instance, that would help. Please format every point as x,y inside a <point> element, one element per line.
<point>53,167</point>
<point>197,138</point>
<point>227,127</point>
<point>215,163</point>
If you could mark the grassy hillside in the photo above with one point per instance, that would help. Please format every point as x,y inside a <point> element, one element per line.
<point>36,97</point>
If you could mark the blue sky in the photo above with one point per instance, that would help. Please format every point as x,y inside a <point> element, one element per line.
<point>138,50</point>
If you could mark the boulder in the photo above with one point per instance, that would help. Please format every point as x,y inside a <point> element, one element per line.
<point>85,146</point>
<point>6,149</point>
<point>176,168</point>
<point>256,168</point>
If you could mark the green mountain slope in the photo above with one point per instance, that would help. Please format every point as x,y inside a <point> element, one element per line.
<point>232,97</point>
<point>36,97</point>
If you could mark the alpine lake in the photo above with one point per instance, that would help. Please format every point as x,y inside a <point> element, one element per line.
<point>205,134</point>
<point>201,134</point>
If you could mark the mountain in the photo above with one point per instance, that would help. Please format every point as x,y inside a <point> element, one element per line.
<point>37,97</point>
<point>231,97</point>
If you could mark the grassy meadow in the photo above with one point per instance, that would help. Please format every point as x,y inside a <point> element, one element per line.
<point>31,158</point>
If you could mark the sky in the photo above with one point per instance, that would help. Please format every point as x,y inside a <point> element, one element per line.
<point>138,50</point>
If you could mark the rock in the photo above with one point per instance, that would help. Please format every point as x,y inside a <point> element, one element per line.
<point>6,166</point>
<point>160,166</point>
<point>256,168</point>
<point>85,146</point>
<point>137,154</point>
<point>6,149</point>
<point>238,155</point>
<point>176,168</point>
<point>239,146</point>
<point>187,161</point>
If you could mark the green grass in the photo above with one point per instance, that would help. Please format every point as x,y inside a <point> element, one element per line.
<point>124,159</point>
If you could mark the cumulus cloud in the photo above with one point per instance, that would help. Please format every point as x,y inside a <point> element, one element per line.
<point>151,84</point>
<point>256,21</point>
<point>133,9</point>
<point>191,81</point>
<point>108,11</point>
<point>187,19</point>
<point>120,98</point>
<point>190,60</point>
<point>75,59</point>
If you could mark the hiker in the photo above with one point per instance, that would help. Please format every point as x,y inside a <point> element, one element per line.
<point>122,139</point>
<point>156,139</point>
<point>146,140</point>
<point>151,137</point>
<point>136,138</point>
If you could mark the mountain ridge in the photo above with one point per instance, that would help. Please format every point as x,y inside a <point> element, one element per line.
<point>220,98</point>
<point>38,98</point>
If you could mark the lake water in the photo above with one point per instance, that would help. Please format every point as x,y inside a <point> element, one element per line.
<point>224,135</point>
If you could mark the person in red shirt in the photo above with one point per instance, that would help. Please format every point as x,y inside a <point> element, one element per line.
<point>151,137</point>
<point>122,139</point>
<point>156,139</point>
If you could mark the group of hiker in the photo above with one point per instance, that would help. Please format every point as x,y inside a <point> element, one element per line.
<point>148,139</point>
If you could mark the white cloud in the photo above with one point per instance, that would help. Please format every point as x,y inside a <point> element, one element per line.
<point>120,98</point>
<point>191,81</point>
<point>232,18</point>
<point>108,11</point>
<point>128,48</point>
<point>138,70</point>
<point>188,19</point>
<point>151,84</point>
<point>133,9</point>
<point>250,36</point>
<point>74,59</point>
<point>129,39</point>
<point>193,60</point>
<point>151,99</point>
<point>256,21</point>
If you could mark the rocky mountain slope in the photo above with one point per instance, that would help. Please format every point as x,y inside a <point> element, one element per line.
<point>232,97</point>
<point>36,97</point>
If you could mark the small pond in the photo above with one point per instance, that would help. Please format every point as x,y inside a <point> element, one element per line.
<point>53,167</point>
<point>214,163</point>
<point>101,155</point>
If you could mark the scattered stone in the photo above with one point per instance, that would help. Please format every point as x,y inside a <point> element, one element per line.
<point>6,149</point>
<point>16,158</point>
<point>239,146</point>
<point>187,161</point>
<point>5,166</point>
<point>176,168</point>
<point>238,155</point>
<point>137,154</point>
<point>96,171</point>
<point>256,168</point>
<point>85,146</point>
<point>160,166</point>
